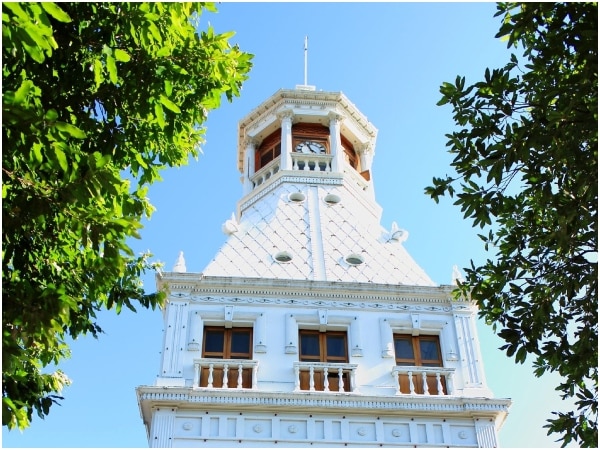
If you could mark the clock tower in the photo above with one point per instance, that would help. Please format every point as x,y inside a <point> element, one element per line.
<point>312,325</point>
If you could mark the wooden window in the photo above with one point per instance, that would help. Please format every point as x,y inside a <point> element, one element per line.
<point>227,343</point>
<point>349,154</point>
<point>421,351</point>
<point>269,149</point>
<point>324,347</point>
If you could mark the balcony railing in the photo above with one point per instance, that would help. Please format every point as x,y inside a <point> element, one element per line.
<point>326,377</point>
<point>310,162</point>
<point>225,373</point>
<point>416,380</point>
<point>266,172</point>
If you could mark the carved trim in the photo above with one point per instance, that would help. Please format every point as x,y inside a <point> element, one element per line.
<point>320,303</point>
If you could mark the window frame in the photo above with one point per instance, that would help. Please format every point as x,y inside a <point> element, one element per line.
<point>227,352</point>
<point>417,360</point>
<point>323,357</point>
<point>269,147</point>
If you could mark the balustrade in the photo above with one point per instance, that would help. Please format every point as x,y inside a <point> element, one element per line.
<point>225,373</point>
<point>311,162</point>
<point>326,377</point>
<point>266,172</point>
<point>300,161</point>
<point>423,380</point>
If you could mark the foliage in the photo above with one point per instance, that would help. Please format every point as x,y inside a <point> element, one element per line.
<point>97,98</point>
<point>525,157</point>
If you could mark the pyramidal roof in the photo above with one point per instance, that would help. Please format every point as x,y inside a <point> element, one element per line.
<point>314,239</point>
<point>300,222</point>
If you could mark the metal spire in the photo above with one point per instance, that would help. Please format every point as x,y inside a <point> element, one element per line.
<point>305,60</point>
<point>305,86</point>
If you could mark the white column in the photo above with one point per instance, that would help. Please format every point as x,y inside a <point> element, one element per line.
<point>249,160</point>
<point>366,156</point>
<point>291,334</point>
<point>387,339</point>
<point>335,142</point>
<point>260,330</point>
<point>161,430</point>
<point>193,333</point>
<point>355,339</point>
<point>286,139</point>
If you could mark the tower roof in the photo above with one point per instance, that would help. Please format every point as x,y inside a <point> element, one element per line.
<point>314,232</point>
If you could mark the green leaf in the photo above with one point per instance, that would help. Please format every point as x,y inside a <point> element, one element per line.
<point>70,129</point>
<point>52,9</point>
<point>122,55</point>
<point>36,149</point>
<point>160,115</point>
<point>98,75</point>
<point>61,158</point>
<point>51,115</point>
<point>111,67</point>
<point>169,104</point>
<point>22,92</point>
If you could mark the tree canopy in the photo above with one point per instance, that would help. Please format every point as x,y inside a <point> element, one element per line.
<point>525,162</point>
<point>97,99</point>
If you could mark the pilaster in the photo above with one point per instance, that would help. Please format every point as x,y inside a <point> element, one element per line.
<point>485,431</point>
<point>161,432</point>
<point>175,334</point>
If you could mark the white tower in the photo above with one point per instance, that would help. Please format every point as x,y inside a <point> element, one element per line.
<point>312,325</point>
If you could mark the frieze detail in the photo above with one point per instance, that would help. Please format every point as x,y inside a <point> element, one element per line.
<point>313,303</point>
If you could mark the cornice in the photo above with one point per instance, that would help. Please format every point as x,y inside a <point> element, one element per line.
<point>182,397</point>
<point>195,287</point>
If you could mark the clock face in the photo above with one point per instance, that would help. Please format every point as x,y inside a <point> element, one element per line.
<point>310,147</point>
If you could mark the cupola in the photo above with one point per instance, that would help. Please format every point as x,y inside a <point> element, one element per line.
<point>301,130</point>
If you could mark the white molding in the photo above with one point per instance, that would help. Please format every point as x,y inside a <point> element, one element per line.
<point>346,402</point>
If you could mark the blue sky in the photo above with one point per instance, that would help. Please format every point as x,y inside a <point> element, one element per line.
<point>389,59</point>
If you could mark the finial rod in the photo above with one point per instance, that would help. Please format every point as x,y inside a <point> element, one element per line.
<point>305,60</point>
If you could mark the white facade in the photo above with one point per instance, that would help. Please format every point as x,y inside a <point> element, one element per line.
<point>306,262</point>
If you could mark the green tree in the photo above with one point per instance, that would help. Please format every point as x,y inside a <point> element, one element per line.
<point>97,99</point>
<point>525,162</point>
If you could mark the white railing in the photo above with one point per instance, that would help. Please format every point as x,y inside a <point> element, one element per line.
<point>265,172</point>
<point>222,373</point>
<point>420,378</point>
<point>341,371</point>
<point>310,162</point>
